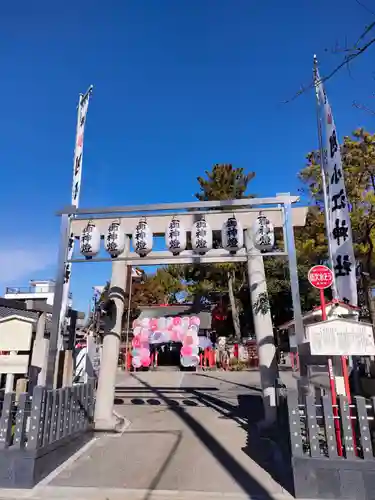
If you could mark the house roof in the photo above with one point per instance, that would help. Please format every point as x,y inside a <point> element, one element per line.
<point>18,317</point>
<point>340,303</point>
<point>308,315</point>
<point>9,307</point>
<point>5,312</point>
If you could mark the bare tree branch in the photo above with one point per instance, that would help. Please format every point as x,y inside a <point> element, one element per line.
<point>354,52</point>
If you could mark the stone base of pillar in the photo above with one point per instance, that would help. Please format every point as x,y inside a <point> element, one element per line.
<point>115,424</point>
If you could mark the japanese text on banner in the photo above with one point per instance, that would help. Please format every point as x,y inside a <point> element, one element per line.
<point>340,232</point>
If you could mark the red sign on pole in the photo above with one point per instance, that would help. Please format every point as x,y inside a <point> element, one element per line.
<point>320,277</point>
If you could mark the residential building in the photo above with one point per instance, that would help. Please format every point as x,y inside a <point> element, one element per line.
<point>38,290</point>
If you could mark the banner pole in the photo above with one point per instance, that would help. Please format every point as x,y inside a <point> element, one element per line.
<point>324,181</point>
<point>62,297</point>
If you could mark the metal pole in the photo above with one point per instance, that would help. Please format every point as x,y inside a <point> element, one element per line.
<point>324,181</point>
<point>293,272</point>
<point>57,301</point>
<point>296,299</point>
<point>130,281</point>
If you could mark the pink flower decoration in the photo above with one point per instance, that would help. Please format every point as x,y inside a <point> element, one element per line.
<point>154,324</point>
<point>146,361</point>
<point>137,330</point>
<point>173,335</point>
<point>194,320</point>
<point>136,362</point>
<point>145,334</point>
<point>136,342</point>
<point>186,350</point>
<point>177,321</point>
<point>188,340</point>
<point>144,353</point>
<point>181,335</point>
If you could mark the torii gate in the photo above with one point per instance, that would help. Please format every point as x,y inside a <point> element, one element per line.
<point>278,210</point>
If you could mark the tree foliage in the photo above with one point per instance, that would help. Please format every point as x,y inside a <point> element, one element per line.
<point>358,154</point>
<point>159,288</point>
<point>224,182</point>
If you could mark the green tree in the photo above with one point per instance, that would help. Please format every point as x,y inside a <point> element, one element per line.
<point>222,182</point>
<point>158,288</point>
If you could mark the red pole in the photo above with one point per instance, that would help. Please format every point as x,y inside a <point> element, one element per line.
<point>345,374</point>
<point>334,407</point>
<point>323,305</point>
<point>332,383</point>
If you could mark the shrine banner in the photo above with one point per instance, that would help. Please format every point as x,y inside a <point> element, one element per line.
<point>76,190</point>
<point>78,151</point>
<point>339,231</point>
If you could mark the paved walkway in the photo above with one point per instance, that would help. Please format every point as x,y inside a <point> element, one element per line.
<point>187,439</point>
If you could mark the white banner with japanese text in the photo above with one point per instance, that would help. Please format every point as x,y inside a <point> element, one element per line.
<point>340,232</point>
<point>76,191</point>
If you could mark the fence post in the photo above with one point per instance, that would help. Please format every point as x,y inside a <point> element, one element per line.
<point>55,404</point>
<point>90,400</point>
<point>37,418</point>
<point>81,400</point>
<point>47,417</point>
<point>312,427</point>
<point>85,406</point>
<point>71,410</point>
<point>21,419</point>
<point>67,410</point>
<point>294,424</point>
<point>347,430</point>
<point>6,420</point>
<point>364,430</point>
<point>61,413</point>
<point>329,427</point>
<point>74,411</point>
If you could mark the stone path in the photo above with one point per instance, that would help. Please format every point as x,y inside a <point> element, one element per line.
<point>187,439</point>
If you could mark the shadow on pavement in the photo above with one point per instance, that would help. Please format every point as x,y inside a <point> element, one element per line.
<point>266,447</point>
<point>154,483</point>
<point>125,388</point>
<point>241,476</point>
<point>252,387</point>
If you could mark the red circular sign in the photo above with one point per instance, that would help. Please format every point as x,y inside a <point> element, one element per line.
<point>320,277</point>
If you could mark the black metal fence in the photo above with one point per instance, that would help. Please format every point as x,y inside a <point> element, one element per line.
<point>332,446</point>
<point>39,432</point>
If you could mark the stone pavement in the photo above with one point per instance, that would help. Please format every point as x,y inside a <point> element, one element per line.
<point>187,439</point>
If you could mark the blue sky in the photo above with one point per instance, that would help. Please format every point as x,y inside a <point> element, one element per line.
<point>178,86</point>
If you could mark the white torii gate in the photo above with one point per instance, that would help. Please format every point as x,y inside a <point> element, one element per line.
<point>278,210</point>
